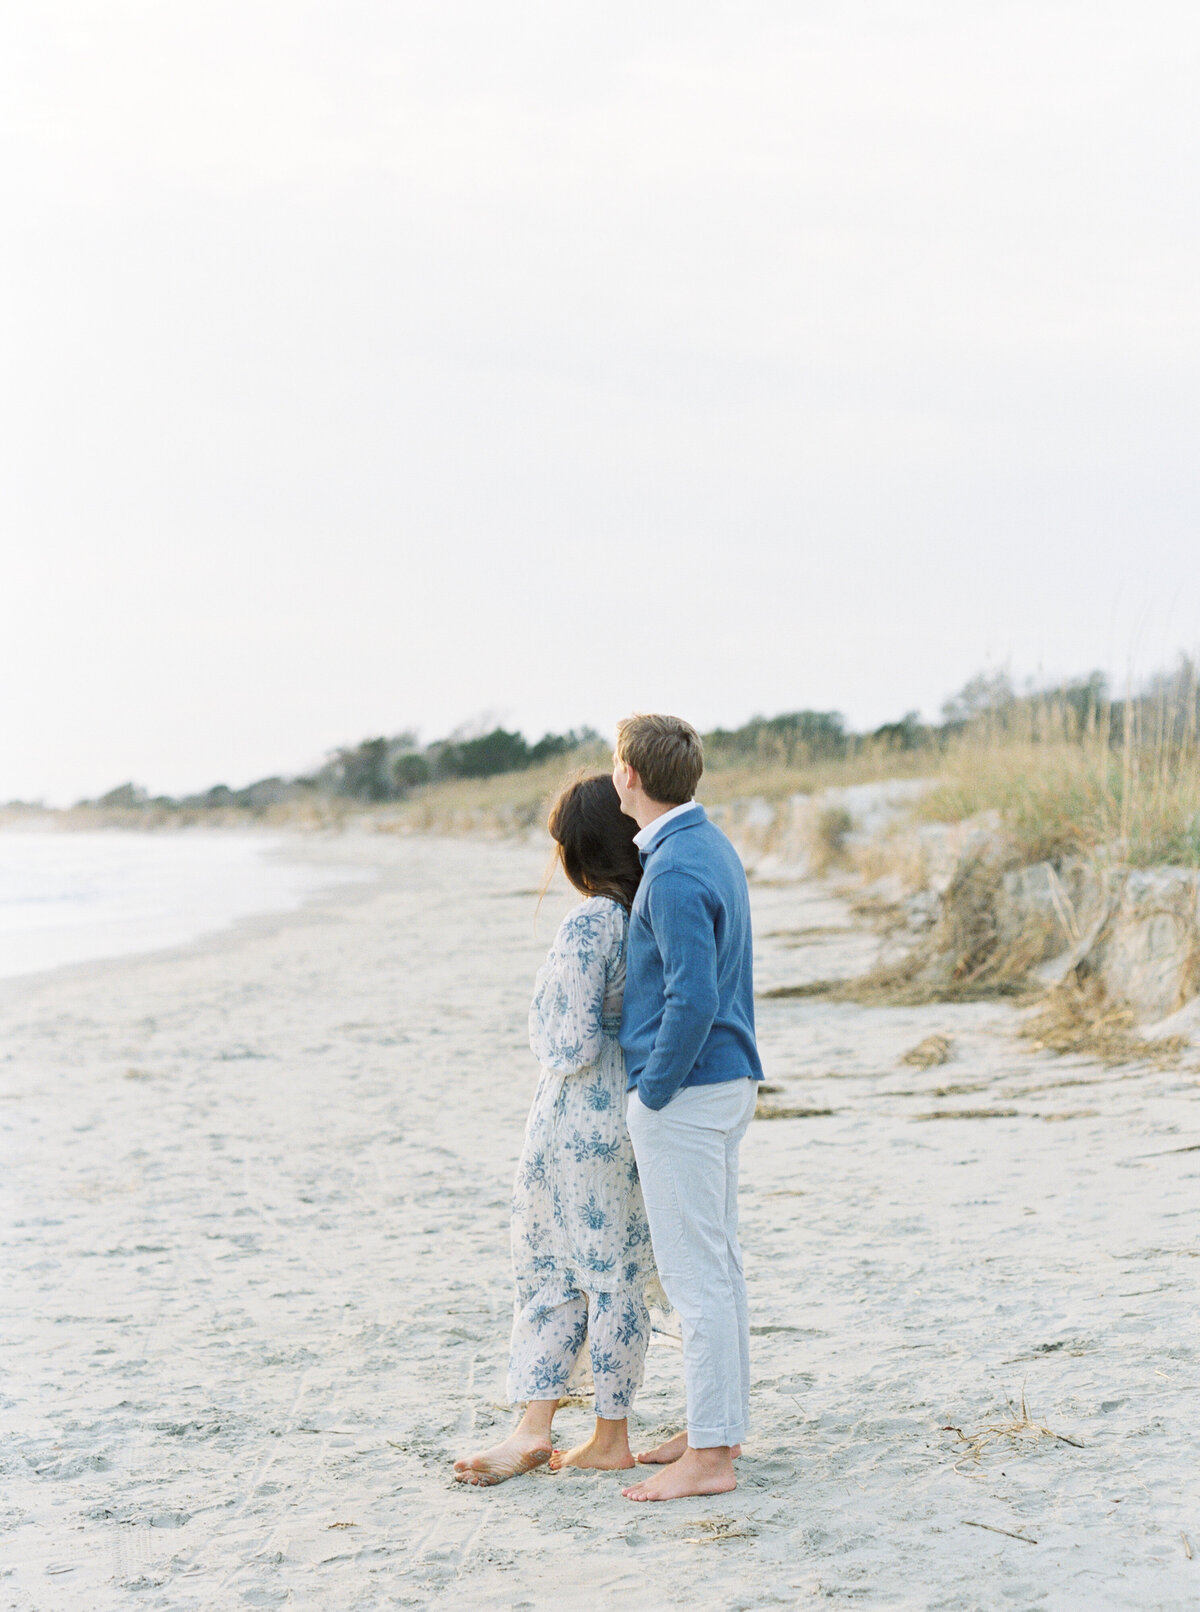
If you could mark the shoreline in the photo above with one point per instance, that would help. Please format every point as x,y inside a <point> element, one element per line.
<point>174,926</point>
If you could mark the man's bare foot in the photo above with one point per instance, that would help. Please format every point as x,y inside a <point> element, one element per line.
<point>520,1452</point>
<point>598,1454</point>
<point>696,1472</point>
<point>663,1454</point>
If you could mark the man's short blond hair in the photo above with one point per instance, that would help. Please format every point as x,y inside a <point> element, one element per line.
<point>666,753</point>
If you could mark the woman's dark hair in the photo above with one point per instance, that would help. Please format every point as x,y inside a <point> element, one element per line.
<point>595,840</point>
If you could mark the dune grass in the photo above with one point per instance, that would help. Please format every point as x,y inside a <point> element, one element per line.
<point>1063,787</point>
<point>1056,796</point>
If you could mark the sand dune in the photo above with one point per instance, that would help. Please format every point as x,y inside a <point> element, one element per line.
<point>255,1245</point>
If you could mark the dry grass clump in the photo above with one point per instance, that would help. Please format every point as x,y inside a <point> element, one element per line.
<point>1076,1017</point>
<point>963,958</point>
<point>789,1111</point>
<point>968,935</point>
<point>714,1530</point>
<point>900,986</point>
<point>1018,1433</point>
<point>930,1053</point>
<point>827,838</point>
<point>830,990</point>
<point>970,1113</point>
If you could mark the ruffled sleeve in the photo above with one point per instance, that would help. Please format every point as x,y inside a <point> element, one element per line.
<point>566,1028</point>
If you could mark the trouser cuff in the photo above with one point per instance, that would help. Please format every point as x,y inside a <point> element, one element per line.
<point>709,1438</point>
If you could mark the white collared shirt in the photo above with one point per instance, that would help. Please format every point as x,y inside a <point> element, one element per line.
<point>645,836</point>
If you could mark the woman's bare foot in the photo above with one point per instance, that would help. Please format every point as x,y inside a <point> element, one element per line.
<point>520,1452</point>
<point>528,1445</point>
<point>696,1472</point>
<point>606,1451</point>
<point>663,1454</point>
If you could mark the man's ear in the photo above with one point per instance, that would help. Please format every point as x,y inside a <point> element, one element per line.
<point>632,780</point>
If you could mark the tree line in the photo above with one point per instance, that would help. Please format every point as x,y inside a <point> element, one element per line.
<point>382,769</point>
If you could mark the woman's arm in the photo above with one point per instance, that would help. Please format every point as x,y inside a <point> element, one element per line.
<point>565,1028</point>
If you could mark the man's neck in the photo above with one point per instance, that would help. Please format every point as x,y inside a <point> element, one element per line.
<point>649,811</point>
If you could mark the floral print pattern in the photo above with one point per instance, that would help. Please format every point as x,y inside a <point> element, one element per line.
<point>580,1240</point>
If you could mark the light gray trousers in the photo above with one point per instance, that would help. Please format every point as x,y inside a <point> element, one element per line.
<point>687,1155</point>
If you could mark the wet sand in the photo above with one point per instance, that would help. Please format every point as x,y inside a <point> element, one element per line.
<point>255,1258</point>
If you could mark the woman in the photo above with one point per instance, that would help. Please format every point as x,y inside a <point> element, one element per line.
<point>581,1245</point>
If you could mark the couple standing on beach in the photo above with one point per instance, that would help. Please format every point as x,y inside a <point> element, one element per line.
<point>643,1023</point>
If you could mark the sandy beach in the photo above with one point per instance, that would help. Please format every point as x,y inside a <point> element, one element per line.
<point>257,1289</point>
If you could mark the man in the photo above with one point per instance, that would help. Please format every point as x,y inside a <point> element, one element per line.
<point>688,1033</point>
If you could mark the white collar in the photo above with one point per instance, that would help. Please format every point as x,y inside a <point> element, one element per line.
<point>644,836</point>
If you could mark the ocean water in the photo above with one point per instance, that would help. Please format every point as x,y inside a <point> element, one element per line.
<point>70,898</point>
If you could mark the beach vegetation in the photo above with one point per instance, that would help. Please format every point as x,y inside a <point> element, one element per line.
<point>410,771</point>
<point>1068,771</point>
<point>1072,771</point>
<point>500,751</point>
<point>1076,1018</point>
<point>830,829</point>
<point>791,740</point>
<point>124,797</point>
<point>1014,1434</point>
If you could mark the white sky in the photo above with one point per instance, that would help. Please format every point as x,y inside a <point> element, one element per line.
<point>376,365</point>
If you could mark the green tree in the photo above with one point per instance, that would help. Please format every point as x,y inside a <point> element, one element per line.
<point>497,751</point>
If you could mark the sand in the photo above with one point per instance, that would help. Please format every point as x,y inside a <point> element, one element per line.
<point>255,1253</point>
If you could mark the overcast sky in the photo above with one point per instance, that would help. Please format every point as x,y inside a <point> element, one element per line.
<point>370,365</point>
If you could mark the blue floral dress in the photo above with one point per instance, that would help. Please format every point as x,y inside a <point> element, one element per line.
<point>580,1241</point>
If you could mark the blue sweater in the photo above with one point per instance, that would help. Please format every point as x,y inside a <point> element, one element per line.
<point>688,1017</point>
